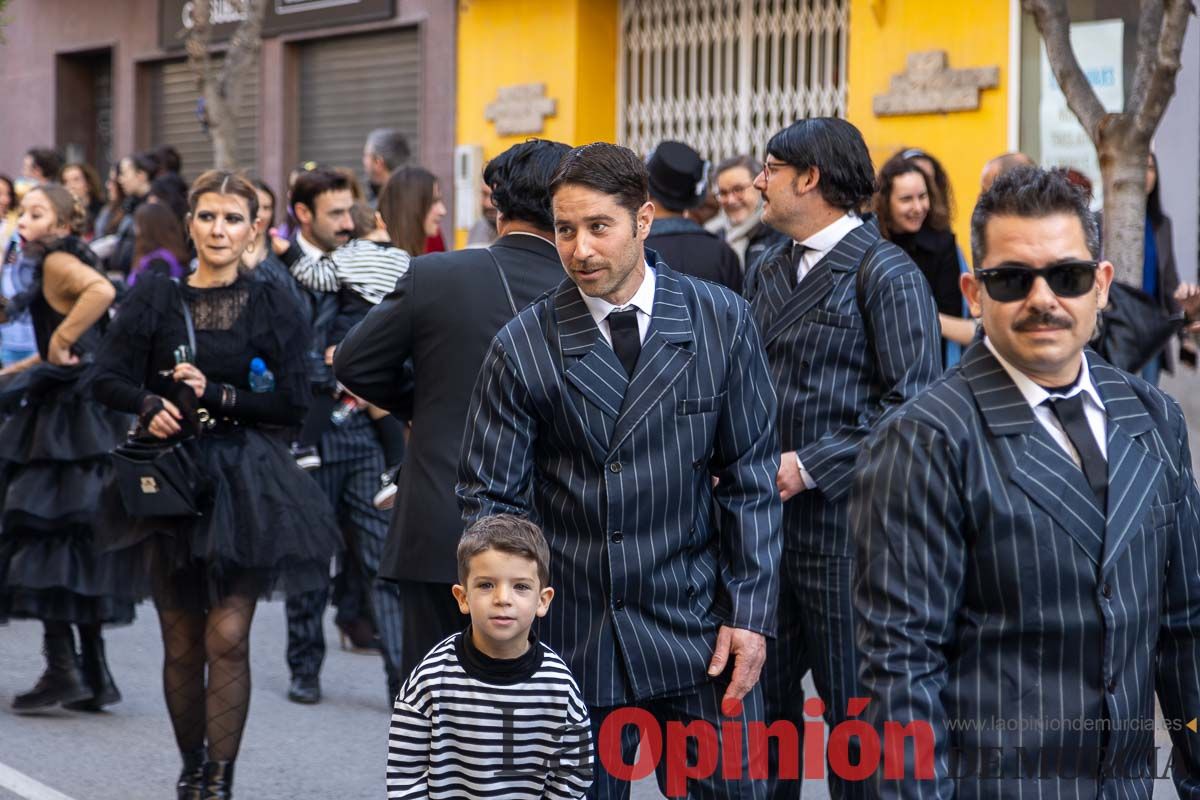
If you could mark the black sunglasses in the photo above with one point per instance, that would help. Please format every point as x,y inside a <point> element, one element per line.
<point>1009,282</point>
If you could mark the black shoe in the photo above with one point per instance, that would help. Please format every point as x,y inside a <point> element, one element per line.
<point>218,780</point>
<point>62,682</point>
<point>359,636</point>
<point>97,676</point>
<point>389,483</point>
<point>305,689</point>
<point>307,458</point>
<point>191,779</point>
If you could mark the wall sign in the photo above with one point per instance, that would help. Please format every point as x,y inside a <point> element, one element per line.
<point>929,86</point>
<point>283,16</point>
<point>520,109</point>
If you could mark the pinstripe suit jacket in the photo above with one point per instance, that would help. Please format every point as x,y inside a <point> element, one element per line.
<point>837,374</point>
<point>992,586</point>
<point>648,559</point>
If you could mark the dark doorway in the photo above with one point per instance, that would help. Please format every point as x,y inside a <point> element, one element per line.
<point>83,119</point>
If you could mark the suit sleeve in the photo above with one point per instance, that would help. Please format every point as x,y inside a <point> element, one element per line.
<point>745,461</point>
<point>496,464</point>
<point>1178,678</point>
<point>907,350</point>
<point>907,518</point>
<point>370,361</point>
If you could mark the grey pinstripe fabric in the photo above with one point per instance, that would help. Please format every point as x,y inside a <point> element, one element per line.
<point>992,586</point>
<point>648,559</point>
<point>835,374</point>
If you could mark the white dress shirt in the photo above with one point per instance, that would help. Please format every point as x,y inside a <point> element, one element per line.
<point>1035,395</point>
<point>642,300</point>
<point>820,243</point>
<point>308,248</point>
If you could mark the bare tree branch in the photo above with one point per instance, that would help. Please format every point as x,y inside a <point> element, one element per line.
<point>1055,27</point>
<point>1157,84</point>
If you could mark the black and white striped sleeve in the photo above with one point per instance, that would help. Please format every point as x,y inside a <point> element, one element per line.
<point>318,274</point>
<point>573,772</point>
<point>408,748</point>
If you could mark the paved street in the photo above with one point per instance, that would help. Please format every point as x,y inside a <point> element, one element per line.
<point>335,750</point>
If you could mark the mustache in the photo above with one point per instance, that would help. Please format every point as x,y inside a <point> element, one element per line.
<point>345,232</point>
<point>1043,319</point>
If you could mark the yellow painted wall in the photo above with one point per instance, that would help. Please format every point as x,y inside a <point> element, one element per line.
<point>974,33</point>
<point>569,45</point>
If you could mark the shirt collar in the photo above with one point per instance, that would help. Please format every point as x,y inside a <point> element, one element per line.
<point>308,248</point>
<point>1035,394</point>
<point>642,300</point>
<point>534,235</point>
<point>827,238</point>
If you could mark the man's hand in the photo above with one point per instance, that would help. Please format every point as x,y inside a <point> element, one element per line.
<point>192,376</point>
<point>749,651</point>
<point>1188,297</point>
<point>788,480</point>
<point>58,351</point>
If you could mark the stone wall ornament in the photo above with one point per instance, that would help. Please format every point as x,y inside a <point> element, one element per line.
<point>929,86</point>
<point>520,109</point>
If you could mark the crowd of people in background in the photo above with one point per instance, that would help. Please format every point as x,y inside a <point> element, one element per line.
<point>319,351</point>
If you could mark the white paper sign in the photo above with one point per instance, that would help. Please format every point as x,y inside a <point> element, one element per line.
<point>1099,47</point>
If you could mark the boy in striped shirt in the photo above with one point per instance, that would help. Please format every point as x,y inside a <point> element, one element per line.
<point>491,711</point>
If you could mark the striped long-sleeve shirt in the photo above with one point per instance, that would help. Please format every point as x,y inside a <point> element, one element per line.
<point>465,725</point>
<point>369,269</point>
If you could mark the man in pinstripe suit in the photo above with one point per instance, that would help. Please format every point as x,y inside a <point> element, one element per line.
<point>1028,537</point>
<point>604,411</point>
<point>851,332</point>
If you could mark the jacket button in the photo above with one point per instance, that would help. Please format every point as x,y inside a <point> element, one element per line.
<point>698,463</point>
<point>619,605</point>
<point>617,537</point>
<point>614,467</point>
<point>691,591</point>
<point>1112,686</point>
<point>803,365</point>
<point>1106,590</point>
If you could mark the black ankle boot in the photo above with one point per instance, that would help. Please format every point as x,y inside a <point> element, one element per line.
<point>218,780</point>
<point>62,682</point>
<point>96,674</point>
<point>191,779</point>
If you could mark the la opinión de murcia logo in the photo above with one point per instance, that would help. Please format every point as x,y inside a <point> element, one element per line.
<point>854,751</point>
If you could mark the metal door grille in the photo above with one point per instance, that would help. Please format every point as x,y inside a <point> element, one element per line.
<point>723,75</point>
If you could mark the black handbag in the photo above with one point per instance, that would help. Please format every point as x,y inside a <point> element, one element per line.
<point>1133,329</point>
<point>158,477</point>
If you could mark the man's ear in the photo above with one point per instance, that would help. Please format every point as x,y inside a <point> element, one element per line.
<point>304,214</point>
<point>645,218</point>
<point>807,180</point>
<point>971,289</point>
<point>1104,279</point>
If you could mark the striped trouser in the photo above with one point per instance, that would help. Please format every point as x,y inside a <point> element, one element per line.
<point>349,475</point>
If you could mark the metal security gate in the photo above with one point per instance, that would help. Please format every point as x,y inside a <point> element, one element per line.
<point>174,120</point>
<point>723,75</point>
<point>351,85</point>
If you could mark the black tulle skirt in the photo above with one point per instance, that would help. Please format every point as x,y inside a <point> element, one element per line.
<point>267,528</point>
<point>54,464</point>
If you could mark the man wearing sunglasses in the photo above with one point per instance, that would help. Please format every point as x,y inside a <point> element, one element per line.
<point>1029,537</point>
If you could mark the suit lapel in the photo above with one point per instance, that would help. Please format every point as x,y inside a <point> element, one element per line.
<point>818,283</point>
<point>1040,468</point>
<point>665,354</point>
<point>589,364</point>
<point>1134,471</point>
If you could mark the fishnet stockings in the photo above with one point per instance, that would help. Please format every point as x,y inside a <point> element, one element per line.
<point>212,712</point>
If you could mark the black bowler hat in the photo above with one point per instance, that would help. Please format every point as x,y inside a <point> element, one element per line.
<point>677,175</point>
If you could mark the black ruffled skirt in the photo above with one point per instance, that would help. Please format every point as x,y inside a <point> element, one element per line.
<point>54,463</point>
<point>267,528</point>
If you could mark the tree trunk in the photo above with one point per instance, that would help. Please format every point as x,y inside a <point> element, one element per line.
<point>222,127</point>
<point>1123,154</point>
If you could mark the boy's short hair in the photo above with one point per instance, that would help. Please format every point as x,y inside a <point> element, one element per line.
<point>363,217</point>
<point>509,534</point>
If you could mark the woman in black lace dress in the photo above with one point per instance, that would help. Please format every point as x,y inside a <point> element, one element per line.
<point>266,525</point>
<point>54,460</point>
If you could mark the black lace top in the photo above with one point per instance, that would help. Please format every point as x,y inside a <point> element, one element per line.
<point>234,324</point>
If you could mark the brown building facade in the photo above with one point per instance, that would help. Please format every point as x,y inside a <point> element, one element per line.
<point>100,79</point>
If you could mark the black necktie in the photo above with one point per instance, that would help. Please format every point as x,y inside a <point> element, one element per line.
<point>1070,413</point>
<point>626,341</point>
<point>798,251</point>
